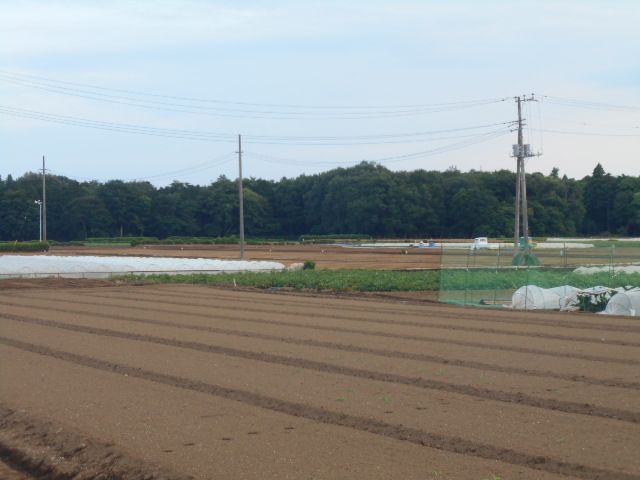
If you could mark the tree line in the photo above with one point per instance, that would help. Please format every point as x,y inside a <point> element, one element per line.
<point>364,199</point>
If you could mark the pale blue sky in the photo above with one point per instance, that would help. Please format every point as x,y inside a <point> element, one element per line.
<point>357,53</point>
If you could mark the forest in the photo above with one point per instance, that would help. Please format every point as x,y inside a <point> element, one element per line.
<point>365,199</point>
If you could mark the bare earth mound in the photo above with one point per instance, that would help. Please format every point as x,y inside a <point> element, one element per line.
<point>190,381</point>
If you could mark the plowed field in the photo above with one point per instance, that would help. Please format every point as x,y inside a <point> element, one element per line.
<point>190,381</point>
<point>325,256</point>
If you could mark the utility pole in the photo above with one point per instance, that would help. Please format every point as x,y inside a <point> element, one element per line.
<point>240,196</point>
<point>516,234</point>
<point>39,203</point>
<point>521,151</point>
<point>44,202</point>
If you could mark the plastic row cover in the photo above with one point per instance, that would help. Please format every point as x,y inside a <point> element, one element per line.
<point>531,297</point>
<point>624,303</point>
<point>45,265</point>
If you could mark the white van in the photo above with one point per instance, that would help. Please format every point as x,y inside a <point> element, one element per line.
<point>480,243</point>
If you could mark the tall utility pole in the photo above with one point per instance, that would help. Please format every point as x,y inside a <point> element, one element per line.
<point>39,203</point>
<point>44,202</point>
<point>521,151</point>
<point>240,196</point>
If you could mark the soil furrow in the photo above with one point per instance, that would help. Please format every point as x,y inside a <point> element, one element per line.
<point>397,312</point>
<point>497,331</point>
<point>373,351</point>
<point>322,415</point>
<point>487,394</point>
<point>46,451</point>
<point>419,338</point>
<point>360,302</point>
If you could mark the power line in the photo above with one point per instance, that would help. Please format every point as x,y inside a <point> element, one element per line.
<point>485,137</point>
<point>197,168</point>
<point>576,103</point>
<point>34,78</point>
<point>235,113</point>
<point>378,137</point>
<point>202,135</point>
<point>114,127</point>
<point>588,134</point>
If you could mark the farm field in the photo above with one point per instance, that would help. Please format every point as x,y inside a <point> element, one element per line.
<point>325,256</point>
<point>178,381</point>
<point>335,256</point>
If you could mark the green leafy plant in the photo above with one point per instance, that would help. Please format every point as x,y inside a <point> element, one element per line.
<point>333,280</point>
<point>523,259</point>
<point>33,246</point>
<point>594,302</point>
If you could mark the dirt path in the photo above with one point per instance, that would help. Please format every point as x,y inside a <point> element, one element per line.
<point>217,383</point>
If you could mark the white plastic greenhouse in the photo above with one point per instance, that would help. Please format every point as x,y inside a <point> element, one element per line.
<point>624,303</point>
<point>619,301</point>
<point>104,266</point>
<point>532,297</point>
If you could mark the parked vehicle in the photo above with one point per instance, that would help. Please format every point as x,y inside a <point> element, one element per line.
<point>480,243</point>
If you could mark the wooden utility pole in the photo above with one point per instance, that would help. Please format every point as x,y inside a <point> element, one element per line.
<point>521,151</point>
<point>44,202</point>
<point>240,196</point>
<point>516,234</point>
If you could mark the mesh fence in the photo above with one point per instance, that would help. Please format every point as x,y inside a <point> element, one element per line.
<point>488,276</point>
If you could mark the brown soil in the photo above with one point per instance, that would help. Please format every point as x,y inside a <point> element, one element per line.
<point>22,283</point>
<point>218,383</point>
<point>42,449</point>
<point>8,473</point>
<point>325,256</point>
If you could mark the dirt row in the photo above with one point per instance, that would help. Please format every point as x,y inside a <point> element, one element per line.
<point>428,394</point>
<point>325,256</point>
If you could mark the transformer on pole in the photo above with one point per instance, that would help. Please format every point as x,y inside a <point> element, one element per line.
<point>521,151</point>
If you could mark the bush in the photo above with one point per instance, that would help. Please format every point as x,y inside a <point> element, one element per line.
<point>343,237</point>
<point>335,280</point>
<point>309,265</point>
<point>70,243</point>
<point>144,241</point>
<point>33,246</point>
<point>522,259</point>
<point>120,239</point>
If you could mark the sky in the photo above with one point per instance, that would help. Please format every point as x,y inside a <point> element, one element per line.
<point>158,90</point>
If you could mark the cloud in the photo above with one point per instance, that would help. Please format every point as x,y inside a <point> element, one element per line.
<point>72,26</point>
<point>329,52</point>
<point>31,27</point>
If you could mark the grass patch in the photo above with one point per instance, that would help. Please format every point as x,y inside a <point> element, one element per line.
<point>334,280</point>
<point>390,281</point>
<point>480,279</point>
<point>32,246</point>
<point>615,243</point>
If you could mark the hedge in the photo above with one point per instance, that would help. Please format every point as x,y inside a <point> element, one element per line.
<point>32,246</point>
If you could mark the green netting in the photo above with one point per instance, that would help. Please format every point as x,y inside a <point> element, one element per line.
<point>488,277</point>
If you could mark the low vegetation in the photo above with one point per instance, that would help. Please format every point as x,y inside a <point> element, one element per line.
<point>387,281</point>
<point>332,238</point>
<point>332,280</point>
<point>480,279</point>
<point>34,246</point>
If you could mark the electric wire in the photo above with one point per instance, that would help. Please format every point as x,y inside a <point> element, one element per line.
<point>240,113</point>
<point>191,170</point>
<point>202,135</point>
<point>589,134</point>
<point>391,159</point>
<point>587,104</point>
<point>25,77</point>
